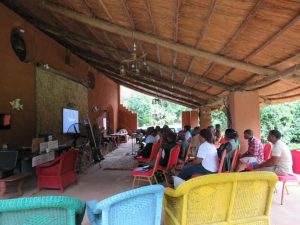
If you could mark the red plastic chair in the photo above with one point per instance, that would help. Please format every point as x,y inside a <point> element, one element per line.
<point>267,151</point>
<point>173,157</point>
<point>145,175</point>
<point>296,161</point>
<point>290,177</point>
<point>153,154</point>
<point>220,168</point>
<point>186,158</point>
<point>59,173</point>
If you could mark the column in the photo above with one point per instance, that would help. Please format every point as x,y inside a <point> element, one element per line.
<point>244,112</point>
<point>205,118</point>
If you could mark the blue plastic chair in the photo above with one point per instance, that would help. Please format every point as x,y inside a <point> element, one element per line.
<point>46,210</point>
<point>135,207</point>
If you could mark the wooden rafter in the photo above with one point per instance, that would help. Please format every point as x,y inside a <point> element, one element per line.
<point>92,31</point>
<point>125,54</point>
<point>267,42</point>
<point>194,93</point>
<point>273,37</point>
<point>151,93</point>
<point>113,28</point>
<point>294,70</point>
<point>112,21</point>
<point>240,29</point>
<point>128,13</point>
<point>152,79</point>
<point>149,13</point>
<point>175,35</point>
<point>203,31</point>
<point>149,86</point>
<point>192,76</point>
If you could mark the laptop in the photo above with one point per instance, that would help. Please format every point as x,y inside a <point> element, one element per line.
<point>8,162</point>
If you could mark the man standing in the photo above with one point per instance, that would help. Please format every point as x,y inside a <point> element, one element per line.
<point>255,152</point>
<point>281,160</point>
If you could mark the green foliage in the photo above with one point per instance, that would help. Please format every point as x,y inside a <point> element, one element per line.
<point>219,117</point>
<point>283,117</point>
<point>149,114</point>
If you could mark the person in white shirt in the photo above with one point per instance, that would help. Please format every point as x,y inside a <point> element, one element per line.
<point>207,160</point>
<point>188,136</point>
<point>281,161</point>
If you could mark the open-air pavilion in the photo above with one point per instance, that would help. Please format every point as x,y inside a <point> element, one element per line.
<point>201,54</point>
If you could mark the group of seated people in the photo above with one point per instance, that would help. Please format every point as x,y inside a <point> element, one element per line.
<point>206,146</point>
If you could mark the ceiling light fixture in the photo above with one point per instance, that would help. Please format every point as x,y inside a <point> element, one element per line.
<point>135,64</point>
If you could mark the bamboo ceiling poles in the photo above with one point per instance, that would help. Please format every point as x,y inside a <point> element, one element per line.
<point>116,29</point>
<point>125,54</point>
<point>151,87</point>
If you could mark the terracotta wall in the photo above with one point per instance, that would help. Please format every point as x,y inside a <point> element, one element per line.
<point>205,118</point>
<point>17,79</point>
<point>190,118</point>
<point>127,119</point>
<point>185,118</point>
<point>194,118</point>
<point>244,109</point>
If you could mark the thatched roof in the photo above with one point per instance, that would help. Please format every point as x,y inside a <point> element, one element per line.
<point>198,51</point>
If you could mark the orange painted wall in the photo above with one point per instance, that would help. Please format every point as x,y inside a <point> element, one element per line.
<point>185,118</point>
<point>205,118</point>
<point>17,79</point>
<point>244,109</point>
<point>194,121</point>
<point>190,118</point>
<point>127,119</point>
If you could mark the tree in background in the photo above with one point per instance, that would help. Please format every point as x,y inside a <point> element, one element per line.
<point>149,114</point>
<point>283,117</point>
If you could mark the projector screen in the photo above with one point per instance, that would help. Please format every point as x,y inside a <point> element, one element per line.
<point>70,116</point>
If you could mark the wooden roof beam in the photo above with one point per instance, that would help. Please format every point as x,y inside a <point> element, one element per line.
<point>294,70</point>
<point>234,37</point>
<point>152,85</point>
<point>266,43</point>
<point>148,10</point>
<point>203,31</point>
<point>112,20</point>
<point>151,93</point>
<point>122,53</point>
<point>151,77</point>
<point>273,37</point>
<point>120,30</point>
<point>149,87</point>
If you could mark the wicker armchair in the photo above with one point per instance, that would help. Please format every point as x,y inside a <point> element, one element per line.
<point>232,198</point>
<point>47,210</point>
<point>135,207</point>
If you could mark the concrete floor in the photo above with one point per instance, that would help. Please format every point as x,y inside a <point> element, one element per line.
<point>114,177</point>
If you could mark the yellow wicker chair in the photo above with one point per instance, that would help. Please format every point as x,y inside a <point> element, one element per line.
<point>223,199</point>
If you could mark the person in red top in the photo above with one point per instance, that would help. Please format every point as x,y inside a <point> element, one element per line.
<point>255,152</point>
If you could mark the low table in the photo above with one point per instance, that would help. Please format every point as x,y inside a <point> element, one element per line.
<point>18,178</point>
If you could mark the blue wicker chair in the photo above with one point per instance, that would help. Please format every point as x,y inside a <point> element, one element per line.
<point>135,207</point>
<point>47,210</point>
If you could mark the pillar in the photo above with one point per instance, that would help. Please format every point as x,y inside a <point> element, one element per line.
<point>205,118</point>
<point>194,118</point>
<point>244,112</point>
<point>185,118</point>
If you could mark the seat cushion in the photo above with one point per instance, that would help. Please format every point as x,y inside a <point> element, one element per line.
<point>289,177</point>
<point>135,172</point>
